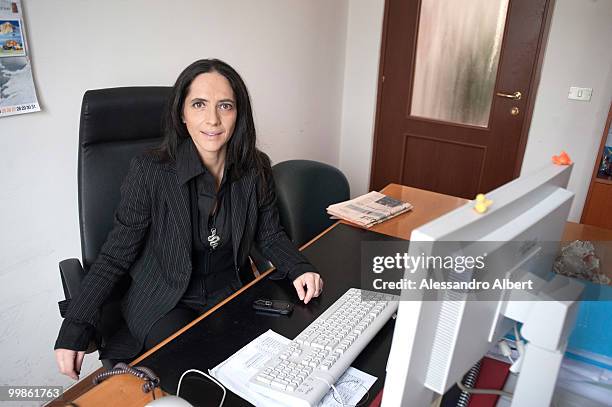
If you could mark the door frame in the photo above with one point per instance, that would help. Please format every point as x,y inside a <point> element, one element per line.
<point>534,82</point>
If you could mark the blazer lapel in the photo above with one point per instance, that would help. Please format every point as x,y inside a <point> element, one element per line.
<point>240,192</point>
<point>177,197</point>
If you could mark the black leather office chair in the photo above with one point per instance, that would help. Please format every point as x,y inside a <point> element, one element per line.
<point>304,189</point>
<point>116,124</point>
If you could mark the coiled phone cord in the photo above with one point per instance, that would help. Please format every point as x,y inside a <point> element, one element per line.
<point>469,381</point>
<point>144,373</point>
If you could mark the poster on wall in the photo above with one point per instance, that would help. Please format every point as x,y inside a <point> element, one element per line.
<point>17,91</point>
<point>11,39</point>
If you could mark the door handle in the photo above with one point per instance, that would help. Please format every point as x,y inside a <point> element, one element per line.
<point>514,96</point>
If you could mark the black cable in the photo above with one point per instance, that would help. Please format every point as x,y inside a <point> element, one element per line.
<point>144,373</point>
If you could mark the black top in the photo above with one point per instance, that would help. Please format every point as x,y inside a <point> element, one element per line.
<point>212,255</point>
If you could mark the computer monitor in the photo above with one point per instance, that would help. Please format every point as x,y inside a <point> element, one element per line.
<point>438,338</point>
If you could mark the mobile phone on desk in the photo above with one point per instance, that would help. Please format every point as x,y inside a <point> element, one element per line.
<point>277,307</point>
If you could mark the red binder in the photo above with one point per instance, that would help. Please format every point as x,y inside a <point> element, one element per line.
<point>493,375</point>
<point>377,400</point>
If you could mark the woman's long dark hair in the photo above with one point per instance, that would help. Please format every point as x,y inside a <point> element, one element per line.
<point>242,152</point>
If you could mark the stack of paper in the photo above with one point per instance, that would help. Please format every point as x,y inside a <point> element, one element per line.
<point>235,373</point>
<point>369,209</point>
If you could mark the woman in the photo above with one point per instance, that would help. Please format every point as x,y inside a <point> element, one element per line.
<point>190,213</point>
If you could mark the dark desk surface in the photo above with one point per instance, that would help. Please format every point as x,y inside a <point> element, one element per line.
<point>225,329</point>
<point>212,340</point>
<point>234,324</point>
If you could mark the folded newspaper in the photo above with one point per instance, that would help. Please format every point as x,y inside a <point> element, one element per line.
<point>369,209</point>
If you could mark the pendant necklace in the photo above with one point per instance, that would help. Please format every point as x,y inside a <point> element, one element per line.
<point>213,239</point>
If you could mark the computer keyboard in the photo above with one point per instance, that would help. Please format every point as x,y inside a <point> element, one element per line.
<point>301,374</point>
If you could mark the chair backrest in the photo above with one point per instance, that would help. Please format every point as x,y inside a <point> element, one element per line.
<point>116,125</point>
<point>304,189</point>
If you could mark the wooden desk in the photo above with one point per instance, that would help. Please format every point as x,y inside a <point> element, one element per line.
<point>427,206</point>
<point>578,231</point>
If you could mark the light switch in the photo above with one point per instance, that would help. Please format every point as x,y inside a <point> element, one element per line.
<point>582,94</point>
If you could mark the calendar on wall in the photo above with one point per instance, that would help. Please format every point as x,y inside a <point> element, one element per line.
<point>17,90</point>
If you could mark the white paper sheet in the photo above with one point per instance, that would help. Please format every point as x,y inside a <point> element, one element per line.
<point>235,373</point>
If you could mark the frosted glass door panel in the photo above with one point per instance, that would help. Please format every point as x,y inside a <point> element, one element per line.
<point>458,49</point>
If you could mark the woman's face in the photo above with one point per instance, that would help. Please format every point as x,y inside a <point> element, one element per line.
<point>209,113</point>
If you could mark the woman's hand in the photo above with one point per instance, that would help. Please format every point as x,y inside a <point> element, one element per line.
<point>313,283</point>
<point>69,362</point>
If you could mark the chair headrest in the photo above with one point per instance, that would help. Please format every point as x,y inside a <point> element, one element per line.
<point>142,108</point>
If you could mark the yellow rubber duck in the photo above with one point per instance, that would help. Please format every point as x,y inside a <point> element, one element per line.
<point>482,203</point>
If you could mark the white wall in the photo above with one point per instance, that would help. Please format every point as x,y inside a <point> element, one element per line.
<point>363,41</point>
<point>578,54</point>
<point>290,53</point>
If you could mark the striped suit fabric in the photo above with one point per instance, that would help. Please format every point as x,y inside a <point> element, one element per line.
<point>151,240</point>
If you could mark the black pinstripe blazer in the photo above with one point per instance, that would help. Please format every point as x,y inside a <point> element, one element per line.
<point>151,239</point>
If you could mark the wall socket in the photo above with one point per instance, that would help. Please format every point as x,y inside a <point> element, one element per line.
<point>582,94</point>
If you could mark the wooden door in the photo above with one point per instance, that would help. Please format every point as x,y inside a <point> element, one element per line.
<point>450,117</point>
